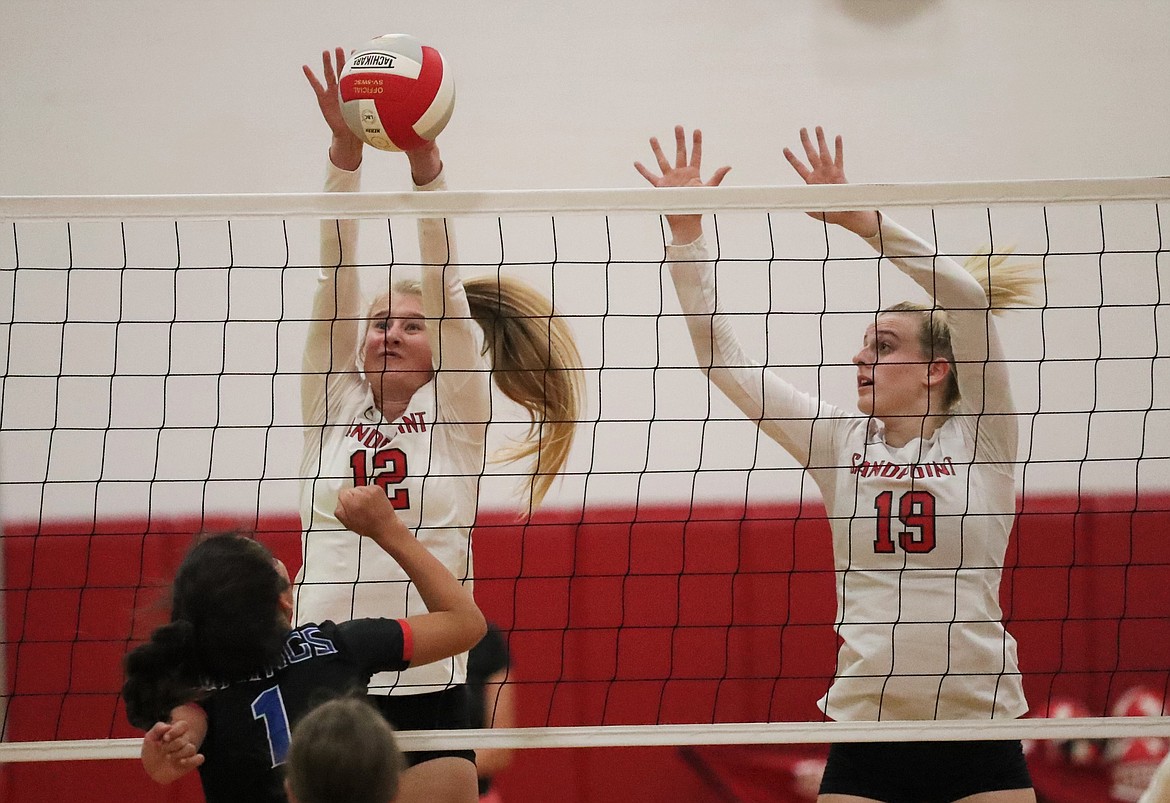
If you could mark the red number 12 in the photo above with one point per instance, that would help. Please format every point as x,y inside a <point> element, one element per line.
<point>388,468</point>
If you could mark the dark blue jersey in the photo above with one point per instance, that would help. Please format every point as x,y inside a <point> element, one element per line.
<point>249,721</point>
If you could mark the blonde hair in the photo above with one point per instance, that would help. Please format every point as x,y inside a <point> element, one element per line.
<point>535,362</point>
<point>1004,284</point>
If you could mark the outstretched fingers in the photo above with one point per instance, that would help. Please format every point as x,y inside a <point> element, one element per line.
<point>824,158</point>
<point>318,88</point>
<point>680,146</point>
<point>824,165</point>
<point>800,167</point>
<point>663,164</point>
<point>717,177</point>
<point>810,152</point>
<point>685,172</point>
<point>822,146</point>
<point>827,166</point>
<point>659,156</point>
<point>330,70</point>
<point>696,148</point>
<point>834,159</point>
<point>647,174</point>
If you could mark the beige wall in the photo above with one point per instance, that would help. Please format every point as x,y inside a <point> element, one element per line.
<point>148,97</point>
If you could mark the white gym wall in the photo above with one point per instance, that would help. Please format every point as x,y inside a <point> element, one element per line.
<point>135,97</point>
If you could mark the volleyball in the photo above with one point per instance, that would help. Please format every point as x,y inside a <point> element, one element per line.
<point>1077,752</point>
<point>396,93</point>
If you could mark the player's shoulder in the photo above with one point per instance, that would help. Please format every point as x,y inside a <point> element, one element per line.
<point>324,627</point>
<point>353,401</point>
<point>849,429</point>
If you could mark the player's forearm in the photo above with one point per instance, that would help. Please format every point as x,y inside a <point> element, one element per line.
<point>864,224</point>
<point>456,339</point>
<point>436,239</point>
<point>331,341</point>
<point>339,237</point>
<point>454,624</point>
<point>439,589</point>
<point>945,280</point>
<point>332,337</point>
<point>425,164</point>
<point>718,351</point>
<point>346,152</point>
<point>685,229</point>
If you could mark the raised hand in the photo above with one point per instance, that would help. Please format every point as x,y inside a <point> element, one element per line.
<point>367,511</point>
<point>346,148</point>
<point>828,167</point>
<point>685,172</point>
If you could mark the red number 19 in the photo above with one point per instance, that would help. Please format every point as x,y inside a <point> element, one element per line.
<point>916,511</point>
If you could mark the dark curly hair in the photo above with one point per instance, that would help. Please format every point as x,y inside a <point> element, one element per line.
<point>225,625</point>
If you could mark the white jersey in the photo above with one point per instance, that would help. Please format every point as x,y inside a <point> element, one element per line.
<point>920,531</point>
<point>429,461</point>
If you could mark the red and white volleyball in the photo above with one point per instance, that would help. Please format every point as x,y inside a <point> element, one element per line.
<point>396,93</point>
<point>1136,760</point>
<point>1078,752</point>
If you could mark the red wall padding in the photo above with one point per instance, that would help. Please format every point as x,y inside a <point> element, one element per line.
<point>666,614</point>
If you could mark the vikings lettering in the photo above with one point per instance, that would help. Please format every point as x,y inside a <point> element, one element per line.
<point>302,645</point>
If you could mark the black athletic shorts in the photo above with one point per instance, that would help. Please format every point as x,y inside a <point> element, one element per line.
<point>924,772</point>
<point>440,710</point>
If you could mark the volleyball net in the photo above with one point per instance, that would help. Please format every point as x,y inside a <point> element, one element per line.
<point>677,587</point>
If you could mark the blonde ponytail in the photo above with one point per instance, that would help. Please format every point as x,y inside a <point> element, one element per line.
<point>1005,284</point>
<point>535,363</point>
